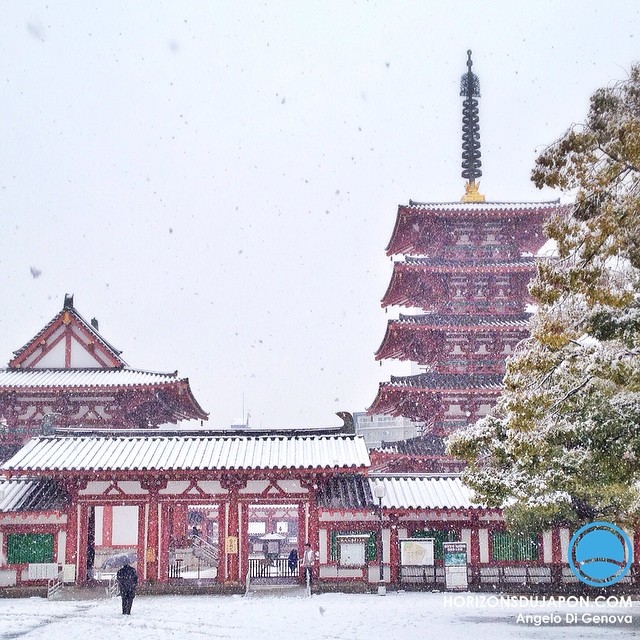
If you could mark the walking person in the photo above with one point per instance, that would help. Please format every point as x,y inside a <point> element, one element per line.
<point>308,560</point>
<point>127,581</point>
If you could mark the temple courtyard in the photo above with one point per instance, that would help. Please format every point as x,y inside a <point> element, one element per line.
<point>330,616</point>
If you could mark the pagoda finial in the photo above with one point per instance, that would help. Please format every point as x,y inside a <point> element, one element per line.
<point>470,89</point>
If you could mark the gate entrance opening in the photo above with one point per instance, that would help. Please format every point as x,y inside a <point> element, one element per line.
<point>273,543</point>
<point>194,542</point>
<point>112,540</point>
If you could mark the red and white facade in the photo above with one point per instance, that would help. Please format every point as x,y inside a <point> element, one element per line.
<point>324,482</point>
<point>165,477</point>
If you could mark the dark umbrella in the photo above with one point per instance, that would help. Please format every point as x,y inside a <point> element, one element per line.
<point>118,560</point>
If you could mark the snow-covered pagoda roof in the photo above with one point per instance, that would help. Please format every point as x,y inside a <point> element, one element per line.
<point>419,224</point>
<point>415,396</point>
<point>438,265</point>
<point>421,282</point>
<point>467,321</point>
<point>31,495</point>
<point>472,208</point>
<point>182,453</point>
<point>417,337</point>
<point>446,381</point>
<point>401,492</point>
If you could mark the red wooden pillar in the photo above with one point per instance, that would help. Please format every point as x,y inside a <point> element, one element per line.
<point>231,542</point>
<point>222,534</point>
<point>151,527</point>
<point>232,546</point>
<point>107,525</point>
<point>82,534</point>
<point>556,556</point>
<point>313,525</point>
<point>153,537</point>
<point>180,520</point>
<point>71,547</point>
<point>556,547</point>
<point>243,547</point>
<point>394,550</point>
<point>142,537</point>
<point>302,527</point>
<point>475,549</point>
<point>165,514</point>
<point>302,532</point>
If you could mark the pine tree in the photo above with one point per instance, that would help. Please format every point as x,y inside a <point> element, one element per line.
<point>563,442</point>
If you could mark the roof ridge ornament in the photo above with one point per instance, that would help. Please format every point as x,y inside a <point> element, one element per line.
<point>470,90</point>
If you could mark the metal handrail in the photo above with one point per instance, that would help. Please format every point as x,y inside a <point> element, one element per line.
<point>113,588</point>
<point>210,549</point>
<point>54,585</point>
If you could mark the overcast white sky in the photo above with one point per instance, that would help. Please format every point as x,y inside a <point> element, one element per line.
<point>216,181</point>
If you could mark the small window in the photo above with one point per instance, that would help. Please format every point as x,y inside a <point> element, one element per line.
<point>514,547</point>
<point>29,547</point>
<point>351,551</point>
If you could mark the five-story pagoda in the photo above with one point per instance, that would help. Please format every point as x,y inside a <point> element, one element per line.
<point>465,266</point>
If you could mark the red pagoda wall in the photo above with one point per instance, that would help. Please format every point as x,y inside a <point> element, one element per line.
<point>466,266</point>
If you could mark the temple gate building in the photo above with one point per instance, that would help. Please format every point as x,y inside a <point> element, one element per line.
<point>321,487</point>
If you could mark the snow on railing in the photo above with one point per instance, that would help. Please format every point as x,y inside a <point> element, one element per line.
<point>112,588</point>
<point>204,549</point>
<point>54,585</point>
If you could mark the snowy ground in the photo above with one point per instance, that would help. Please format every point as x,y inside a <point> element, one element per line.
<point>396,616</point>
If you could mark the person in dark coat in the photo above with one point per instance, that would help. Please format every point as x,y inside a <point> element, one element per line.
<point>293,561</point>
<point>127,581</point>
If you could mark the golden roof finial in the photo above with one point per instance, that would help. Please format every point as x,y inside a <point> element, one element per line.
<point>471,193</point>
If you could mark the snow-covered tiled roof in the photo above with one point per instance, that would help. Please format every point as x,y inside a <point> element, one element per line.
<point>440,320</point>
<point>432,380</point>
<point>345,491</point>
<point>74,378</point>
<point>355,491</point>
<point>31,495</point>
<point>423,492</point>
<point>169,453</point>
<point>484,206</point>
<point>465,265</point>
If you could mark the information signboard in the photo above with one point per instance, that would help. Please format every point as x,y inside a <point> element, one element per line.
<point>455,565</point>
<point>416,552</point>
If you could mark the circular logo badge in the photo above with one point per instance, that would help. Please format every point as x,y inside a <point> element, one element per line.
<point>600,554</point>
